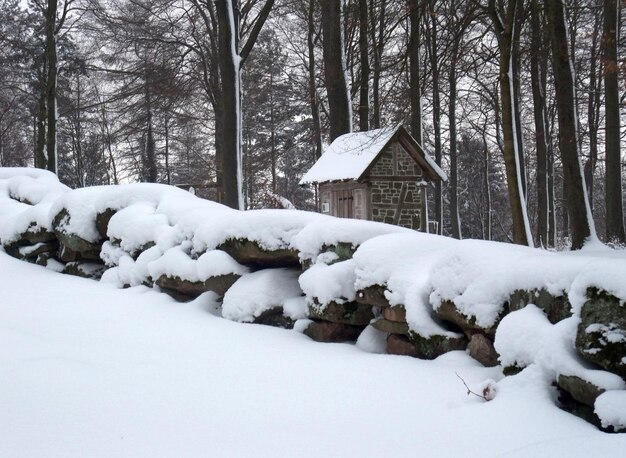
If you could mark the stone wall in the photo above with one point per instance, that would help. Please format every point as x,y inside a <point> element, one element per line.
<point>395,195</point>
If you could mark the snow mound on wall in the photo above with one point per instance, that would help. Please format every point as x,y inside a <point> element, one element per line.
<point>25,199</point>
<point>526,337</point>
<point>331,231</point>
<point>261,291</point>
<point>479,276</point>
<point>270,229</point>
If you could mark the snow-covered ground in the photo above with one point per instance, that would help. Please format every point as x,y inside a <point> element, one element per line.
<point>89,370</point>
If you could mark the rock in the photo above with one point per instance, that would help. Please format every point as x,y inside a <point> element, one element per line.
<point>581,390</point>
<point>102,222</point>
<point>434,346</point>
<point>400,345</point>
<point>568,403</point>
<point>249,253</point>
<point>601,336</point>
<point>74,247</point>
<point>373,296</point>
<point>220,283</point>
<point>392,327</point>
<point>185,290</point>
<point>346,313</point>
<point>557,308</point>
<point>343,250</point>
<point>85,269</point>
<point>396,313</point>
<point>325,331</point>
<point>274,317</point>
<point>481,349</point>
<point>180,289</point>
<point>33,236</point>
<point>447,311</point>
<point>512,370</point>
<point>423,347</point>
<point>30,237</point>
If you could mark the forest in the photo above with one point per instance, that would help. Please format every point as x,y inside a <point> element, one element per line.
<point>519,101</point>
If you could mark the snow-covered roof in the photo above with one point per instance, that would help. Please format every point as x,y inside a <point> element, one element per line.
<point>349,156</point>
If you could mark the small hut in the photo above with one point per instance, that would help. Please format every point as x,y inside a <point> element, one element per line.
<point>379,175</point>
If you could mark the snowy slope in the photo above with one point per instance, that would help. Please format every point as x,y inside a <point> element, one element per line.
<point>91,370</point>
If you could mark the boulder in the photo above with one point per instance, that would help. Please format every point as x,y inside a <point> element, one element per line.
<point>325,331</point>
<point>180,289</point>
<point>391,327</point>
<point>400,345</point>
<point>601,336</point>
<point>74,247</point>
<point>447,311</point>
<point>274,317</point>
<point>102,222</point>
<point>249,253</point>
<point>581,390</point>
<point>346,313</point>
<point>423,347</point>
<point>396,313</point>
<point>185,290</point>
<point>569,404</point>
<point>434,346</point>
<point>557,308</point>
<point>373,296</point>
<point>481,349</point>
<point>85,269</point>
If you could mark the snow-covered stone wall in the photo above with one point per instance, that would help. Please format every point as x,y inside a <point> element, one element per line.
<point>390,289</point>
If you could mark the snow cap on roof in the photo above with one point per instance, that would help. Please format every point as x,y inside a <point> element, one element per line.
<point>350,155</point>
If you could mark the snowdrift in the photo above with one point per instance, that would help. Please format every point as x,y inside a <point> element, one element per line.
<point>390,289</point>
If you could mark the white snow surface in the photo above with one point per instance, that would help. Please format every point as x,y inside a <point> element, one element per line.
<point>25,199</point>
<point>331,231</point>
<point>526,337</point>
<point>348,156</point>
<point>611,409</point>
<point>92,370</point>
<point>260,291</point>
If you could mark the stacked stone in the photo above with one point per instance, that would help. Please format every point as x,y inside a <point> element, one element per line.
<point>338,322</point>
<point>57,248</point>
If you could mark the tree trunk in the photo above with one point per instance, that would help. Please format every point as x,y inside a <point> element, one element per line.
<point>415,92</point>
<point>455,221</point>
<point>313,100</point>
<point>517,102</point>
<point>334,70</point>
<point>41,161</point>
<point>364,100</point>
<point>487,187</point>
<point>521,226</point>
<point>593,112</point>
<point>51,88</point>
<point>230,132</point>
<point>539,107</point>
<point>434,64</point>
<point>579,213</point>
<point>150,151</point>
<point>378,25</point>
<point>614,204</point>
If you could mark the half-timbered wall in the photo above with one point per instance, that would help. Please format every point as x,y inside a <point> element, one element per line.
<point>396,197</point>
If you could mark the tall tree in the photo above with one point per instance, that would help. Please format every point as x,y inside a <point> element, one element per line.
<point>613,198</point>
<point>364,89</point>
<point>578,209</point>
<point>415,84</point>
<point>538,62</point>
<point>340,112</point>
<point>503,21</point>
